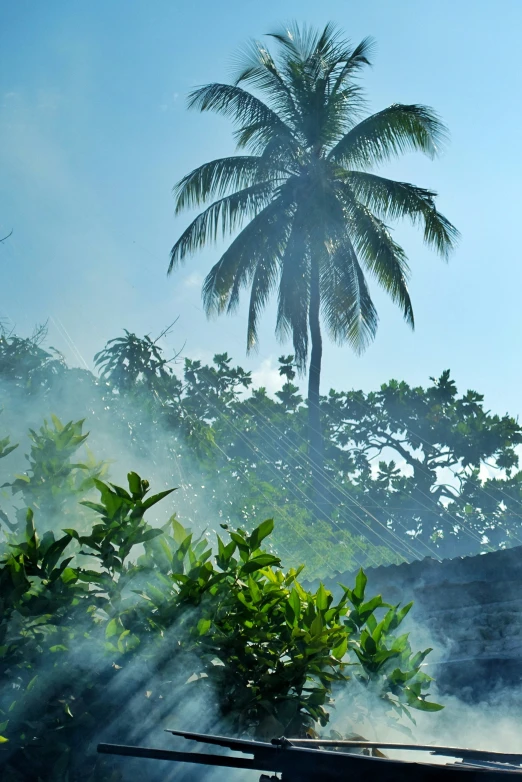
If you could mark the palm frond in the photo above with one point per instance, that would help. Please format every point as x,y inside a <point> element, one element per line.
<point>241,106</point>
<point>279,152</point>
<point>347,307</point>
<point>380,254</point>
<point>221,217</point>
<point>214,179</point>
<point>261,239</point>
<point>258,69</point>
<point>303,42</point>
<point>354,61</point>
<point>391,200</point>
<point>263,284</point>
<point>397,129</point>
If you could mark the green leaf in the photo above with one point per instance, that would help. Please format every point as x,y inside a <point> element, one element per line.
<point>316,628</point>
<point>179,533</point>
<point>54,553</point>
<point>295,603</point>
<point>69,575</point>
<point>113,628</point>
<point>422,705</point>
<point>323,598</point>
<point>367,643</point>
<point>31,683</point>
<point>149,535</point>
<point>93,506</point>
<point>366,609</point>
<point>261,561</point>
<point>134,483</point>
<point>204,626</point>
<point>403,612</point>
<point>419,658</point>
<point>360,585</point>
<point>156,498</point>
<point>260,533</point>
<point>340,650</point>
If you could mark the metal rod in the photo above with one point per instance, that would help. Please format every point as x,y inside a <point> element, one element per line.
<point>183,757</point>
<point>240,745</point>
<point>456,752</point>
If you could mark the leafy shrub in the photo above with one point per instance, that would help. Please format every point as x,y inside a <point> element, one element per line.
<point>54,481</point>
<point>107,635</point>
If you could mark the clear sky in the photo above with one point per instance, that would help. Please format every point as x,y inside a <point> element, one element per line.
<point>94,133</point>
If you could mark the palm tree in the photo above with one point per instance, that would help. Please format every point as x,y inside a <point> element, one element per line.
<point>312,216</point>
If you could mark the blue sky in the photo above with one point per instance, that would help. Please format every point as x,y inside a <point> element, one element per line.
<point>94,133</point>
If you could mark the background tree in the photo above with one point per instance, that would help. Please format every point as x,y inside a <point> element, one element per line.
<point>315,217</point>
<point>410,471</point>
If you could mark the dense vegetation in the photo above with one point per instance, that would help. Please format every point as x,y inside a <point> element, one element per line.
<point>409,472</point>
<point>404,471</point>
<point>109,627</point>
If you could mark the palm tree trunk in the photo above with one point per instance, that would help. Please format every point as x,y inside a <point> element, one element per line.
<point>315,434</point>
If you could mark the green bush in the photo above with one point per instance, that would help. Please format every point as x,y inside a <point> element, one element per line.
<point>111,635</point>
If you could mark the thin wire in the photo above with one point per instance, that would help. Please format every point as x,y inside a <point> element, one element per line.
<point>65,334</point>
<point>245,438</point>
<point>475,536</point>
<point>280,510</point>
<point>278,476</point>
<point>178,458</point>
<point>338,488</point>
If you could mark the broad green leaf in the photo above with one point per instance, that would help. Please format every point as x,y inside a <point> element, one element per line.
<point>261,561</point>
<point>316,628</point>
<point>260,533</point>
<point>134,483</point>
<point>156,498</point>
<point>54,553</point>
<point>149,535</point>
<point>340,651</point>
<point>179,533</point>
<point>69,575</point>
<point>322,598</point>
<point>204,626</point>
<point>422,705</point>
<point>114,627</point>
<point>360,585</point>
<point>366,609</point>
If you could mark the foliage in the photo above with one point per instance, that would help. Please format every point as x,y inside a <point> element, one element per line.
<point>443,441</point>
<point>26,365</point>
<point>85,649</point>
<point>409,472</point>
<point>131,361</point>
<point>53,483</point>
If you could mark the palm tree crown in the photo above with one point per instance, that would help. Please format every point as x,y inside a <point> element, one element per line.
<point>312,216</point>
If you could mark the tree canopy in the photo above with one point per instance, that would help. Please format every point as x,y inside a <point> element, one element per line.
<point>409,471</point>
